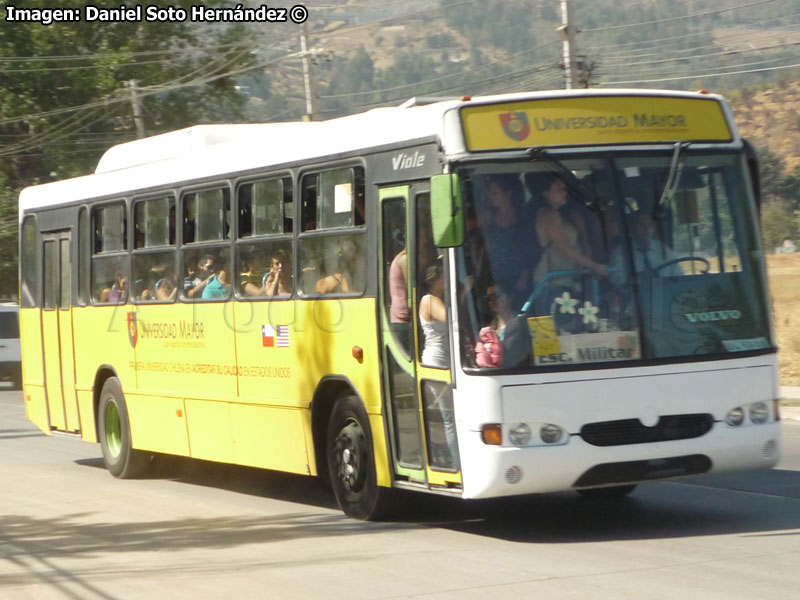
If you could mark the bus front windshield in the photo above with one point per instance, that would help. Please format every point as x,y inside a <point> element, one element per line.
<point>598,259</point>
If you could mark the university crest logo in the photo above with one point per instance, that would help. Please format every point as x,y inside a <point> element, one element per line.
<point>133,331</point>
<point>515,125</point>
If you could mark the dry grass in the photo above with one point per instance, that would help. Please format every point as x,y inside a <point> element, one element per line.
<point>784,283</point>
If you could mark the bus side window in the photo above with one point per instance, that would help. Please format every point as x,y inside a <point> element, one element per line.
<point>333,264</point>
<point>30,264</point>
<point>110,259</point>
<point>206,268</point>
<point>262,207</point>
<point>308,194</point>
<point>206,215</point>
<point>154,250</point>
<point>265,269</point>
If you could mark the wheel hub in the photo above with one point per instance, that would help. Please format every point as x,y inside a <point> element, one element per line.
<point>350,457</point>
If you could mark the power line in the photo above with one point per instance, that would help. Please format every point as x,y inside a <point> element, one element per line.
<point>646,73</point>
<point>700,75</point>
<point>725,53</point>
<point>447,76</point>
<point>148,90</point>
<point>390,19</point>
<point>693,51</point>
<point>96,56</point>
<point>705,14</point>
<point>650,43</point>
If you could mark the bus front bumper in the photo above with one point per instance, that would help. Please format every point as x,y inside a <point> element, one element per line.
<point>492,471</point>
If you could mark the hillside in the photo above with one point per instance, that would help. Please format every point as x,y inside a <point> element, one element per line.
<point>770,118</point>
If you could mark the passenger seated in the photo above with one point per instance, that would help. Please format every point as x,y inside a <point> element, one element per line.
<point>339,264</point>
<point>252,280</point>
<point>333,284</point>
<point>217,286</point>
<point>278,281</point>
<point>166,288</point>
<point>117,293</point>
<point>512,330</point>
<point>196,279</point>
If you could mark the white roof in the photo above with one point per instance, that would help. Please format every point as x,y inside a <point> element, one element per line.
<point>207,150</point>
<point>204,151</point>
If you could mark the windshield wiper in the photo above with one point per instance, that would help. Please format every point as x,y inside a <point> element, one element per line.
<point>674,176</point>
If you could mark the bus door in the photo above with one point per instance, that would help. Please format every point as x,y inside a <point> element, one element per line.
<point>433,324</point>
<point>59,358</point>
<point>418,395</point>
<point>398,353</point>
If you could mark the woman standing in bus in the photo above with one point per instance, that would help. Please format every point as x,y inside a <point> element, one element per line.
<point>433,319</point>
<point>511,254</point>
<point>561,237</point>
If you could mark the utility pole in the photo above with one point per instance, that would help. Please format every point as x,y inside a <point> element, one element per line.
<point>312,110</point>
<point>567,33</point>
<point>137,109</point>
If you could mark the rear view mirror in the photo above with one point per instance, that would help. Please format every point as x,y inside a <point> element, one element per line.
<point>447,213</point>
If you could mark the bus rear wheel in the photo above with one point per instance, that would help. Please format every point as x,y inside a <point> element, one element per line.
<point>351,462</point>
<point>607,493</point>
<point>114,430</point>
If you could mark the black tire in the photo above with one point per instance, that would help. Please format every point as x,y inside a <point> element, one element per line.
<point>114,430</point>
<point>351,462</point>
<point>607,493</point>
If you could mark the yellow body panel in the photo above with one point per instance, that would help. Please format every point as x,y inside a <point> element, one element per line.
<point>186,349</point>
<point>36,407</point>
<point>594,120</point>
<point>52,369</point>
<point>209,426</point>
<point>199,380</point>
<point>68,371</point>
<point>384,477</point>
<point>158,423</point>
<point>30,326</point>
<point>270,437</point>
<point>101,338</point>
<point>86,411</point>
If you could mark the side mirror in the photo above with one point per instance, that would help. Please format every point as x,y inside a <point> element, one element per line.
<point>447,210</point>
<point>755,177</point>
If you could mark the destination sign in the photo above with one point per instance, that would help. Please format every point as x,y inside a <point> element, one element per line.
<point>594,120</point>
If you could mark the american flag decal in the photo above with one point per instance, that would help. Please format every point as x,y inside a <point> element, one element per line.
<point>282,336</point>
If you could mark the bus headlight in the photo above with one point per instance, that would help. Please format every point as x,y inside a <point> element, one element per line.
<point>759,413</point>
<point>519,434</point>
<point>735,417</point>
<point>551,434</point>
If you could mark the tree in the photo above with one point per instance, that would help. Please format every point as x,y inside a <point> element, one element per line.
<point>778,222</point>
<point>772,171</point>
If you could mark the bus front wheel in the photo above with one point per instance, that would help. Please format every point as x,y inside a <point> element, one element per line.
<point>351,462</point>
<point>114,430</point>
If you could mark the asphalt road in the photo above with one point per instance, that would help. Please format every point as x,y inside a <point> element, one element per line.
<point>69,530</point>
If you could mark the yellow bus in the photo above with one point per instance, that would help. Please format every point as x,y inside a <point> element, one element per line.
<point>476,297</point>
